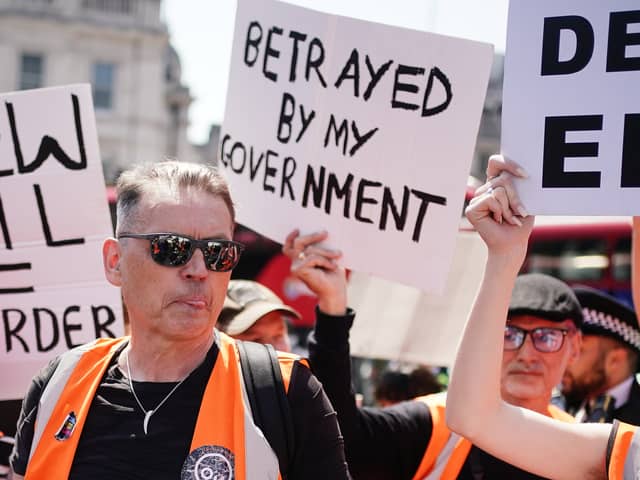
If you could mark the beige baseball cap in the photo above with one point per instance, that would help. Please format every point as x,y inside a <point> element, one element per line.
<point>246,302</point>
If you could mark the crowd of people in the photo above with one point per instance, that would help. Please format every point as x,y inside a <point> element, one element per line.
<point>172,399</point>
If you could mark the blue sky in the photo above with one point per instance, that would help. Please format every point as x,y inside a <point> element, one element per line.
<point>202,32</point>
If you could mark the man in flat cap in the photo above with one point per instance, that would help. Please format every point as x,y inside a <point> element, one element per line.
<point>410,439</point>
<point>544,309</point>
<point>601,385</point>
<point>253,312</point>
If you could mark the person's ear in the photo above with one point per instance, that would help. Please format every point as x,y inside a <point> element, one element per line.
<point>614,361</point>
<point>111,256</point>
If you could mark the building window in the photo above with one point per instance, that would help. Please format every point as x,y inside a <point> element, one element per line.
<point>31,71</point>
<point>103,74</point>
<point>109,6</point>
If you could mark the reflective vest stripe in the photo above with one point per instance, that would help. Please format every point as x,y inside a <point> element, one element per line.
<point>447,451</point>
<point>224,404</point>
<point>624,459</point>
<point>457,457</point>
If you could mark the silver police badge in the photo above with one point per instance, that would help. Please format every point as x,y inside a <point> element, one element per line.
<point>210,462</point>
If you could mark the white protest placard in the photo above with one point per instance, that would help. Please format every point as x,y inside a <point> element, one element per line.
<point>571,105</point>
<point>53,219</point>
<point>397,322</point>
<point>358,128</point>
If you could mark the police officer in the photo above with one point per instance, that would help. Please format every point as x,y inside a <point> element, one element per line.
<point>601,385</point>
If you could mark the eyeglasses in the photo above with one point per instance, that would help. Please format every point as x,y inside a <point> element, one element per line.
<point>173,250</point>
<point>545,339</point>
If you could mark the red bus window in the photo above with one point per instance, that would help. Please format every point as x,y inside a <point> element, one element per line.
<point>593,251</point>
<point>621,260</point>
<point>572,260</point>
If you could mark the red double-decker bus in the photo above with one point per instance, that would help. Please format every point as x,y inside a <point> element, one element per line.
<point>586,250</point>
<point>593,251</point>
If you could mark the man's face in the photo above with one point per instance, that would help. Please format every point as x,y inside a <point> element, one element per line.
<point>269,329</point>
<point>174,303</point>
<point>529,376</point>
<point>586,376</point>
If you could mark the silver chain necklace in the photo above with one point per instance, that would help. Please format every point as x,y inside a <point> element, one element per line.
<point>148,413</point>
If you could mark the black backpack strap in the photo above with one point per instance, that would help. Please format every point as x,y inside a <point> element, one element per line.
<point>268,399</point>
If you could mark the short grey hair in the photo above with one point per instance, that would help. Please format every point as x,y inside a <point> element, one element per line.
<point>135,182</point>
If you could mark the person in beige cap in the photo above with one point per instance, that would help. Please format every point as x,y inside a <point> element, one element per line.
<point>254,313</point>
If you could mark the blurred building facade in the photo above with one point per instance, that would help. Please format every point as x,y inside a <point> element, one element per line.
<point>488,141</point>
<point>122,48</point>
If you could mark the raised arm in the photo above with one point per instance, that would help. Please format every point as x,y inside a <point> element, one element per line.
<point>475,409</point>
<point>379,443</point>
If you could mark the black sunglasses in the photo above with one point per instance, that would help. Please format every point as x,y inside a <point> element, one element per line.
<point>545,339</point>
<point>174,250</point>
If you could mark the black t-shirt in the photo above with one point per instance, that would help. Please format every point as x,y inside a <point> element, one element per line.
<point>384,443</point>
<point>9,412</point>
<point>113,443</point>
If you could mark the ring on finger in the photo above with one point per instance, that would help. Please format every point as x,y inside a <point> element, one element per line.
<point>301,255</point>
<point>490,190</point>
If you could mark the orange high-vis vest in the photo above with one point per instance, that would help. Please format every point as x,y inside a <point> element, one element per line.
<point>447,451</point>
<point>624,454</point>
<point>235,446</point>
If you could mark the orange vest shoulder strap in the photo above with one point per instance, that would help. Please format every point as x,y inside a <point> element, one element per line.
<point>457,448</point>
<point>457,458</point>
<point>439,433</point>
<point>621,444</point>
<point>55,446</point>
<point>454,449</point>
<point>222,406</point>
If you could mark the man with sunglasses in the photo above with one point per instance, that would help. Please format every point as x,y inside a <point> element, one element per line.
<point>541,340</point>
<point>169,402</point>
<point>410,440</point>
